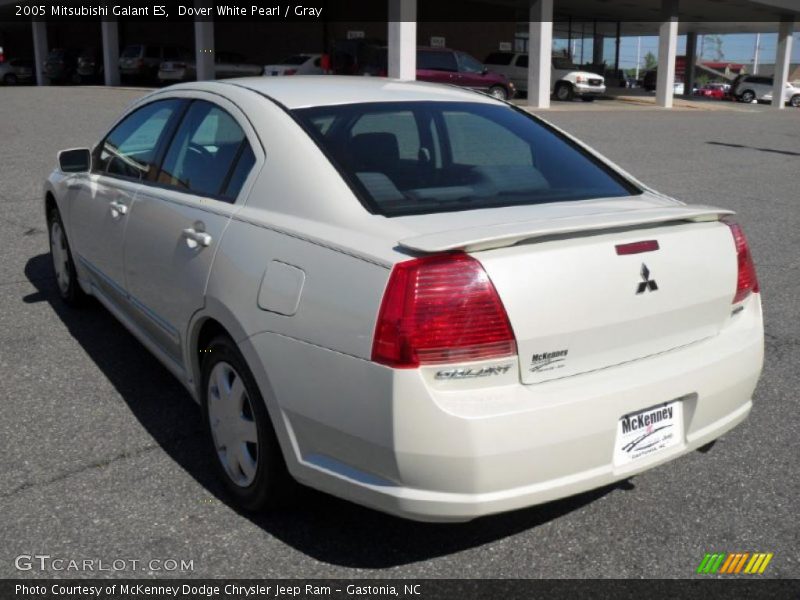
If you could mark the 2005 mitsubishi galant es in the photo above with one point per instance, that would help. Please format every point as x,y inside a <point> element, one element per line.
<point>412,296</point>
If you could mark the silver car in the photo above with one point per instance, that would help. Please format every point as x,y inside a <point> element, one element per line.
<point>413,296</point>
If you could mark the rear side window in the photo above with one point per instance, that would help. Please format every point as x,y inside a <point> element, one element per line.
<point>205,152</point>
<point>522,61</point>
<point>404,158</point>
<point>130,149</point>
<point>436,61</point>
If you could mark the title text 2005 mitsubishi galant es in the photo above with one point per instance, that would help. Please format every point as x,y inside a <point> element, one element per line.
<point>412,296</point>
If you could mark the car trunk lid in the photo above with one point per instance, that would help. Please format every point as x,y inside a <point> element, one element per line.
<point>577,303</point>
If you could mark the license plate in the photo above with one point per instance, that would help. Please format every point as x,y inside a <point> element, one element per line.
<point>648,432</point>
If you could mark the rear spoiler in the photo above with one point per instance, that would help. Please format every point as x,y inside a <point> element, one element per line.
<point>499,235</point>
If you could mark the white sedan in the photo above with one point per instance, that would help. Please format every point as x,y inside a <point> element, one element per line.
<point>412,296</point>
<point>297,64</point>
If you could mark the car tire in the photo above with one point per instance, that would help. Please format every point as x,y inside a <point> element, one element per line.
<point>63,266</point>
<point>235,416</point>
<point>747,96</point>
<point>795,101</point>
<point>499,92</point>
<point>564,92</point>
<point>10,79</point>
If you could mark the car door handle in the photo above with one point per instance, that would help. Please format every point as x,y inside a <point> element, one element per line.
<point>117,209</point>
<point>195,238</point>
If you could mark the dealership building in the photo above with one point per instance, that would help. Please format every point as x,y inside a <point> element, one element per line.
<point>532,26</point>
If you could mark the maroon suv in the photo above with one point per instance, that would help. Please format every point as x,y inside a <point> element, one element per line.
<point>442,65</point>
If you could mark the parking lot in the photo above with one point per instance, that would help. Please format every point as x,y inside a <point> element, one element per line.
<point>102,456</point>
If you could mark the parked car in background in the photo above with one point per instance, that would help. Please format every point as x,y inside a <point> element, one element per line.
<point>142,62</point>
<point>650,81</point>
<point>712,90</point>
<point>364,56</point>
<point>442,65</point>
<point>61,65</point>
<point>791,94</point>
<point>15,71</point>
<point>749,88</point>
<point>463,311</point>
<point>296,64</point>
<point>90,66</point>
<point>566,80</point>
<point>226,65</point>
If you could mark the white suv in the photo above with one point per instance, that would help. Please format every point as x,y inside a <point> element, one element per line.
<point>566,80</point>
<point>746,88</point>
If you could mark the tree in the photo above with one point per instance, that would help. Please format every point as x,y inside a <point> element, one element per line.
<point>650,61</point>
<point>712,44</point>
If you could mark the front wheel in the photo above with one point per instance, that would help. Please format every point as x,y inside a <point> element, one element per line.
<point>499,92</point>
<point>795,101</point>
<point>239,431</point>
<point>66,277</point>
<point>564,92</point>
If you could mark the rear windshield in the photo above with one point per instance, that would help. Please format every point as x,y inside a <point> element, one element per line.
<point>405,158</point>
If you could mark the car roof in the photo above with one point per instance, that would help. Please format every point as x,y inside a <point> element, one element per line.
<point>327,90</point>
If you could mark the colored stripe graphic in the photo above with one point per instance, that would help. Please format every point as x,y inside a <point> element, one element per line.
<point>732,563</point>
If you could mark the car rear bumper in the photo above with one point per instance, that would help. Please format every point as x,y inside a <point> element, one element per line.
<point>390,440</point>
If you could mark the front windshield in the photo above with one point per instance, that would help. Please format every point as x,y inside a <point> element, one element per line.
<point>406,158</point>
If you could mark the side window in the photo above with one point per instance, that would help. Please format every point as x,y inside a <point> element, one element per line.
<point>392,132</point>
<point>207,153</point>
<point>469,64</point>
<point>436,61</point>
<point>522,61</point>
<point>130,149</point>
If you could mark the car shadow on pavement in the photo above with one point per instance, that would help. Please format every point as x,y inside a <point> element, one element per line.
<point>325,528</point>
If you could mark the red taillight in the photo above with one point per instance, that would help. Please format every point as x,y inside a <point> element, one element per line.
<point>746,281</point>
<point>290,72</point>
<point>441,309</point>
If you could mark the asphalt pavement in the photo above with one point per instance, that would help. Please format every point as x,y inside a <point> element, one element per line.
<point>101,456</point>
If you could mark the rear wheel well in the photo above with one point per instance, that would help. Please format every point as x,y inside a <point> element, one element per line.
<point>210,329</point>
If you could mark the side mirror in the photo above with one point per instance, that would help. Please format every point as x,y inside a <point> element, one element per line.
<point>75,160</point>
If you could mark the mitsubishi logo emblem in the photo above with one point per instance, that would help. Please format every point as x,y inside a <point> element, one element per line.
<point>646,283</point>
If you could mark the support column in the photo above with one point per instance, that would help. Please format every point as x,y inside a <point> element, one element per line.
<point>597,48</point>
<point>540,52</point>
<point>783,59</point>
<point>402,39</point>
<point>40,51</point>
<point>204,50</point>
<point>667,50</point>
<point>110,32</point>
<point>691,59</point>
